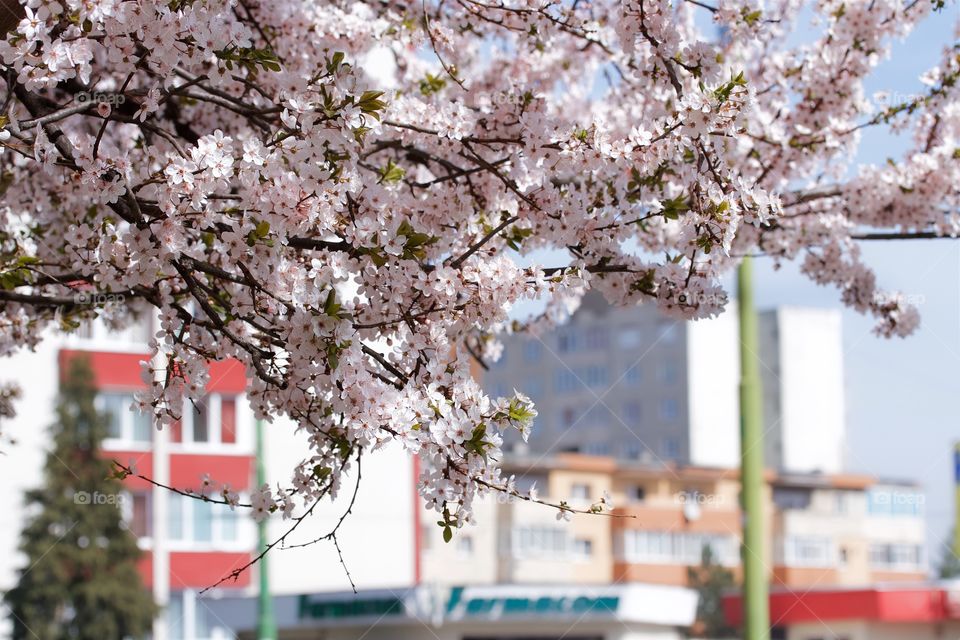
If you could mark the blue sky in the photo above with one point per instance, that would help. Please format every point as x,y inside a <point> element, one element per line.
<point>902,393</point>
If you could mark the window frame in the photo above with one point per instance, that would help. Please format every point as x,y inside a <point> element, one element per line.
<point>214,442</point>
<point>126,440</point>
<point>187,541</point>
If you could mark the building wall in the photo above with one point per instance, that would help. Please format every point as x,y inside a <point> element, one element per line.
<point>830,533</point>
<point>377,538</point>
<point>21,462</point>
<point>632,383</point>
<point>713,370</point>
<point>802,370</point>
<point>612,381</point>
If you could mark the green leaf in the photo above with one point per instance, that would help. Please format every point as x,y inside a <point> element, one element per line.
<point>447,534</point>
<point>336,61</point>
<point>432,84</point>
<point>330,307</point>
<point>392,174</point>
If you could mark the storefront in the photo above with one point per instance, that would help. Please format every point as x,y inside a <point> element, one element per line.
<point>923,611</point>
<point>495,612</point>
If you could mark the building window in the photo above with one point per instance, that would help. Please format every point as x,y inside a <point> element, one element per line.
<point>597,338</point>
<point>639,493</point>
<point>629,338</point>
<point>465,545</point>
<point>140,519</point>
<point>596,449</point>
<point>891,502</point>
<point>896,556</point>
<point>539,542</point>
<point>580,491</point>
<point>670,448</point>
<point>667,373</point>
<point>194,521</point>
<point>135,508</point>
<point>189,618</point>
<point>595,376</point>
<point>567,341</point>
<point>532,351</point>
<point>807,551</point>
<point>210,421</point>
<point>631,413</point>
<point>669,409</point>
<point>565,380</point>
<point>125,424</point>
<point>201,421</point>
<point>674,547</point>
<point>569,416</point>
<point>791,498</point>
<point>228,420</point>
<point>634,374</point>
<point>582,547</point>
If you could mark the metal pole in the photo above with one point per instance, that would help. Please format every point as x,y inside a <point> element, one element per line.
<point>160,506</point>
<point>756,617</point>
<point>266,623</point>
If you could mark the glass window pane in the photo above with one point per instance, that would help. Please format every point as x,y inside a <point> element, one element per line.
<point>113,407</point>
<point>227,520</point>
<point>142,427</point>
<point>174,614</point>
<point>202,617</point>
<point>201,431</point>
<point>175,516</point>
<point>202,521</point>
<point>140,516</point>
<point>228,420</point>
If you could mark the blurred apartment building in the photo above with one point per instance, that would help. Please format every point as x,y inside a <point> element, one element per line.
<point>827,529</point>
<point>630,403</point>
<point>187,544</point>
<point>631,383</point>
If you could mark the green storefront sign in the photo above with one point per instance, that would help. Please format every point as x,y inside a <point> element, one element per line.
<point>536,606</point>
<point>462,603</point>
<point>355,608</point>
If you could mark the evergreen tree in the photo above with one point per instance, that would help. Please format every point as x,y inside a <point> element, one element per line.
<point>81,580</point>
<point>711,580</point>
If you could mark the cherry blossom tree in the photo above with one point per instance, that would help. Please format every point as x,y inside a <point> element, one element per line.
<point>344,196</point>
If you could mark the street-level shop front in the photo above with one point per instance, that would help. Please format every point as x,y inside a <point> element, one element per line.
<point>630,611</point>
